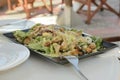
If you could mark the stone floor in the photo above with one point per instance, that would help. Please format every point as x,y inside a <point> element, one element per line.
<point>104,24</point>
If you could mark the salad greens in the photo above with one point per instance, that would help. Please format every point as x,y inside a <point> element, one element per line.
<point>56,42</point>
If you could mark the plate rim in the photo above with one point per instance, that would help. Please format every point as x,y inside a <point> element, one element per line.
<point>17,61</point>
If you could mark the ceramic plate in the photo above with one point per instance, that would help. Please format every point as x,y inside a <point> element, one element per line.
<point>18,25</point>
<point>12,54</point>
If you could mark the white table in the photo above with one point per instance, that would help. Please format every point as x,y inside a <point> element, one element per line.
<point>101,67</point>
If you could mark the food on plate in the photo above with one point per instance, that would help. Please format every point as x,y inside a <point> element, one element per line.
<point>58,41</point>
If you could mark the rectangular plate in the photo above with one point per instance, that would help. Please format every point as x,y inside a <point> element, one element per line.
<point>107,46</point>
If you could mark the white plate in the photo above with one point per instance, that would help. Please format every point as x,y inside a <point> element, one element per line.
<point>12,54</point>
<point>16,26</point>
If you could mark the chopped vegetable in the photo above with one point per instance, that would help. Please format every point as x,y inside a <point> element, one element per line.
<point>56,42</point>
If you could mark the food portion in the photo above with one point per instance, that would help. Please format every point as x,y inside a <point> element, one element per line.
<point>58,42</point>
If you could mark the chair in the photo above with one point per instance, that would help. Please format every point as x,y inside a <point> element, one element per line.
<point>99,7</point>
<point>25,3</point>
<point>10,3</point>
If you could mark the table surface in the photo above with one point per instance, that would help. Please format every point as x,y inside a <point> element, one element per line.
<point>38,68</point>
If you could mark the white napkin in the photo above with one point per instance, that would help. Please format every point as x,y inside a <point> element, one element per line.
<point>100,68</point>
<point>113,52</point>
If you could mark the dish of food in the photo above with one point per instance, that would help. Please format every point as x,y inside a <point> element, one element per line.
<point>55,42</point>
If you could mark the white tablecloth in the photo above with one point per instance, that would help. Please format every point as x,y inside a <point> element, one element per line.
<point>100,67</point>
